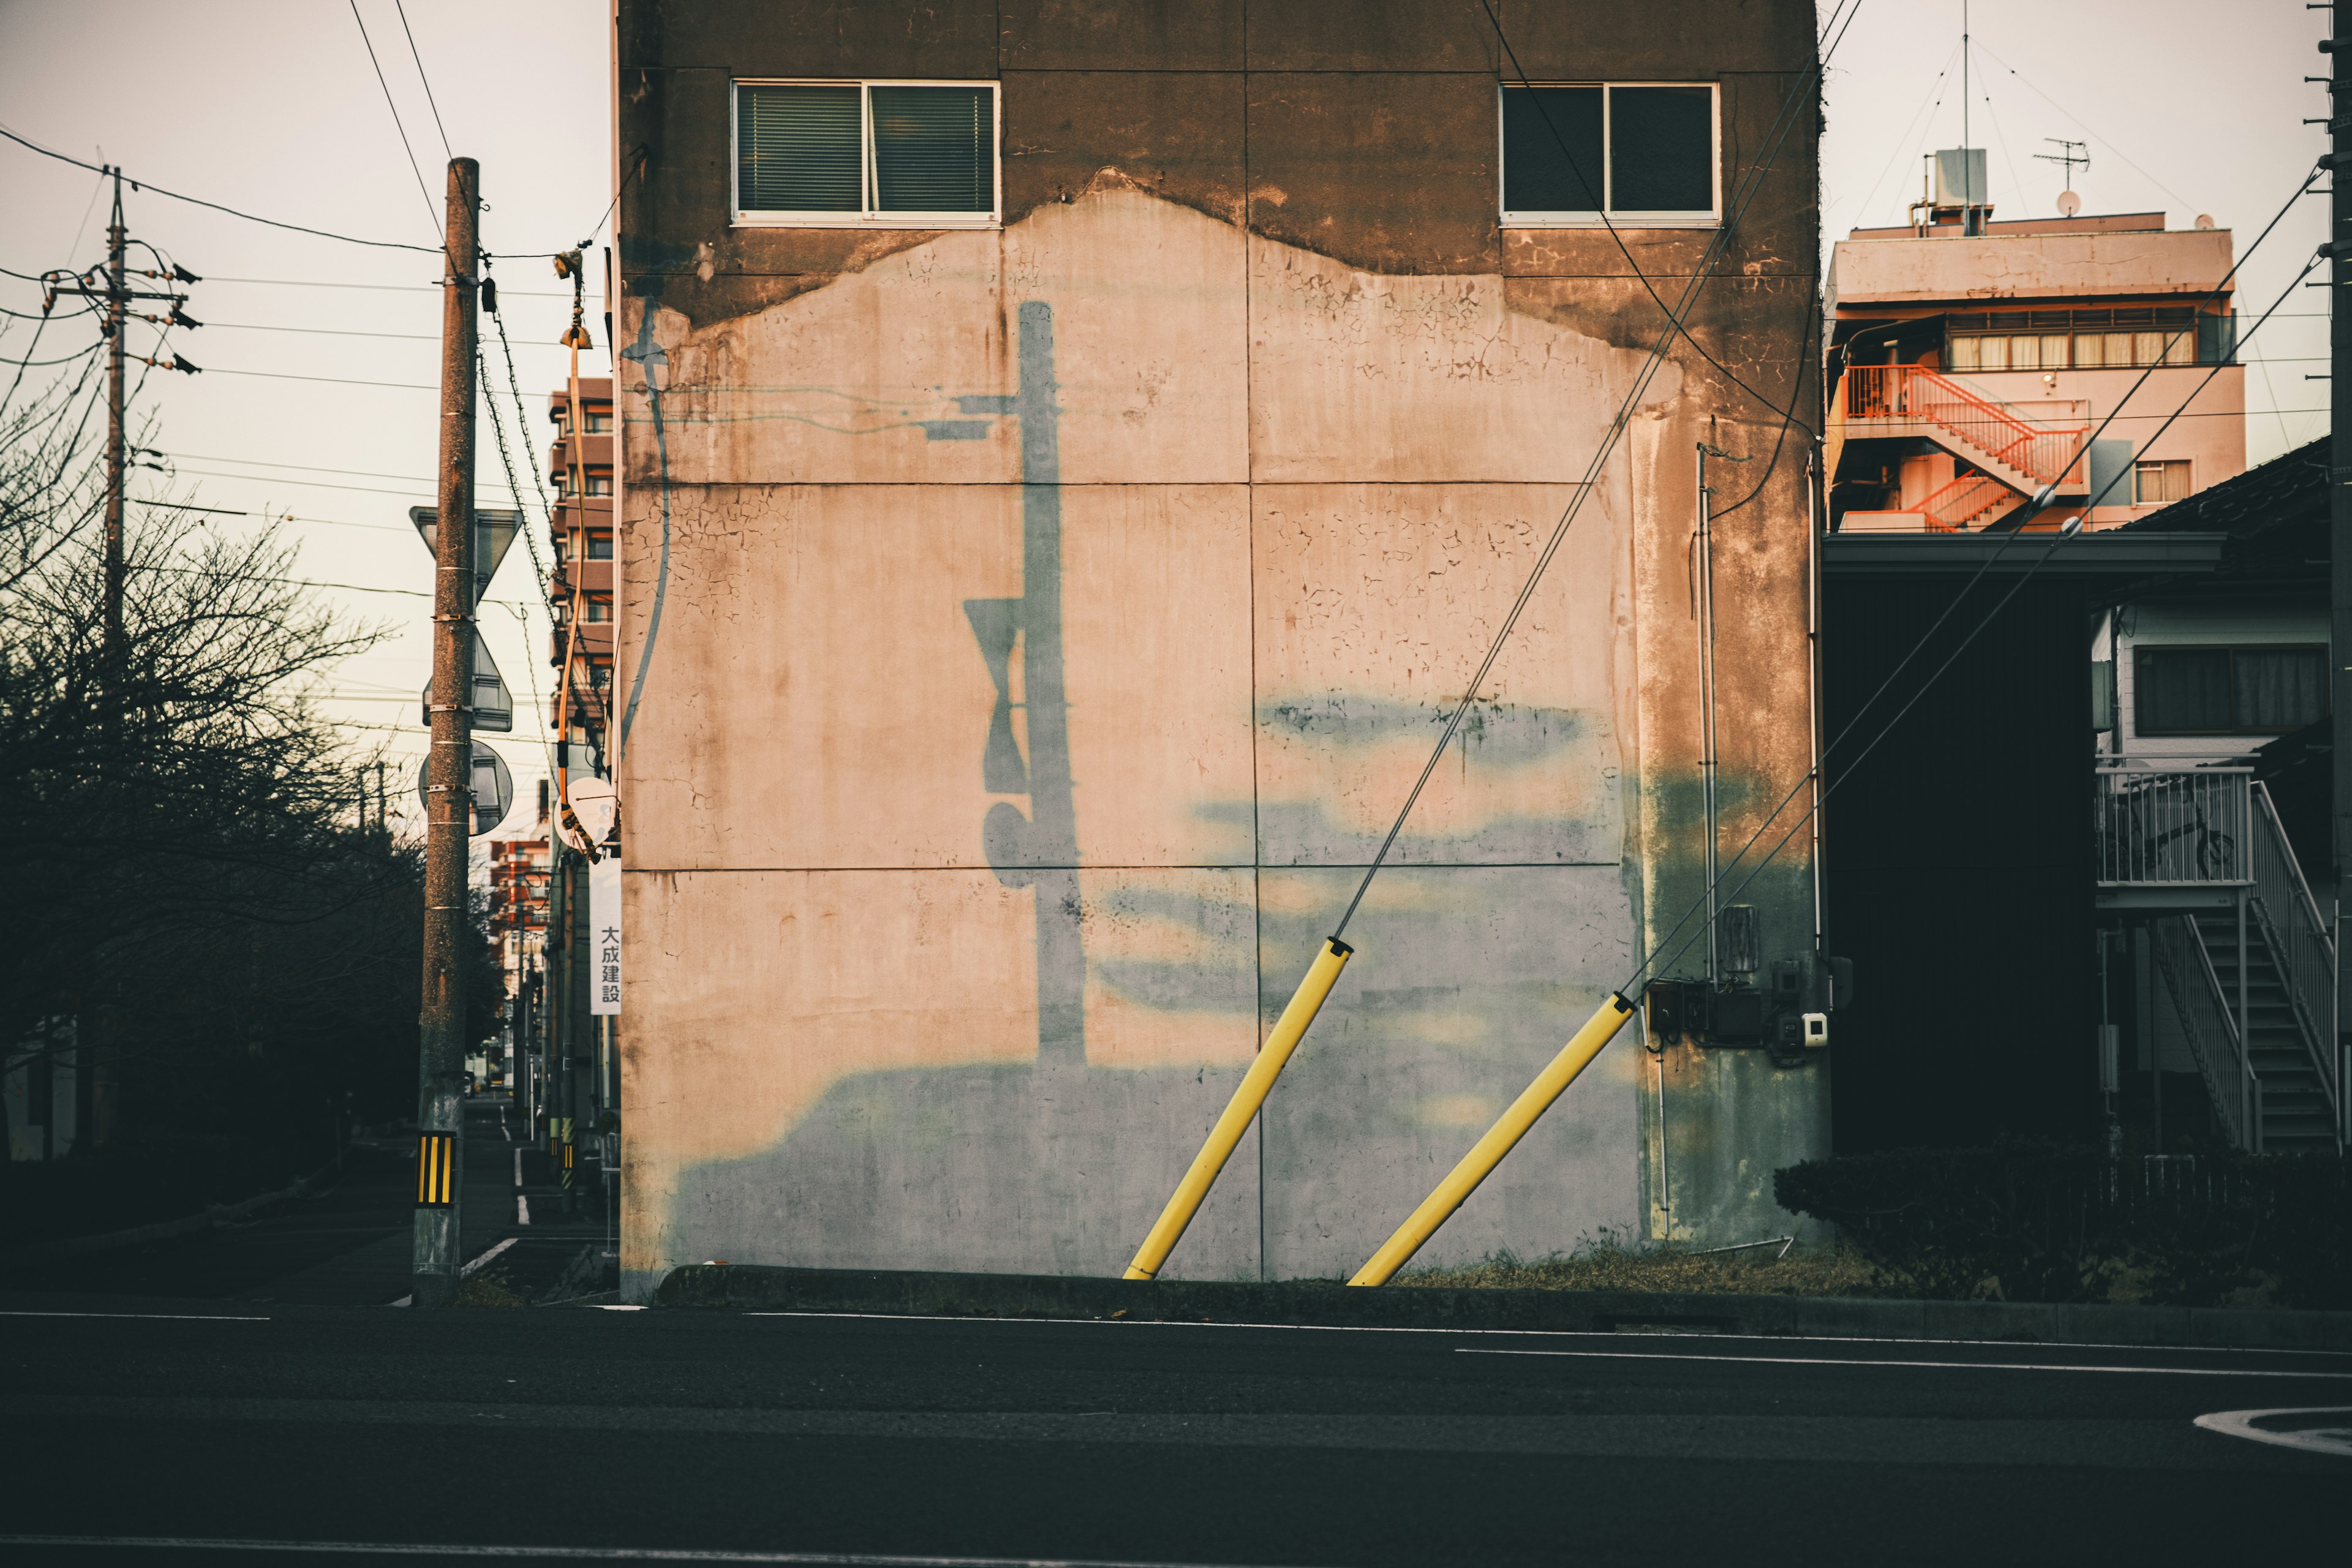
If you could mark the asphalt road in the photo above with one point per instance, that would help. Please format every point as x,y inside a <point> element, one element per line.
<point>693,1432</point>
<point>349,1244</point>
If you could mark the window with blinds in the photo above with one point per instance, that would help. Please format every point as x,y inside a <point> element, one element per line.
<point>919,154</point>
<point>1642,154</point>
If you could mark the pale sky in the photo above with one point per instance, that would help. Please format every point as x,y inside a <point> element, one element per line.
<point>273,107</point>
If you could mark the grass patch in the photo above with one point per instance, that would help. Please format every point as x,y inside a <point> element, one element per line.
<point>487,1288</point>
<point>1613,1261</point>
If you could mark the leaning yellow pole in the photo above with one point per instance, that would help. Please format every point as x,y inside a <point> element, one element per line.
<point>1488,1152</point>
<point>1256,1084</point>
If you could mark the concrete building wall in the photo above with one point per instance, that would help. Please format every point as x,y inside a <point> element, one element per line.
<point>1952,269</point>
<point>1053,616</point>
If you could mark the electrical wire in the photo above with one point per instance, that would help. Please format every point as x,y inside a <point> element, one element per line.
<point>199,201</point>
<point>373,287</point>
<point>1601,208</point>
<point>2110,146</point>
<point>498,429</point>
<point>413,55</point>
<point>1805,357</point>
<point>431,211</point>
<point>2010,538</point>
<point>1888,728</point>
<point>332,380</point>
<point>308,484</point>
<point>37,363</point>
<point>1783,122</point>
<point>1928,104</point>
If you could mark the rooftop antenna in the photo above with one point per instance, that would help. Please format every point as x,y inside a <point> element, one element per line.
<point>1967,171</point>
<point>2070,153</point>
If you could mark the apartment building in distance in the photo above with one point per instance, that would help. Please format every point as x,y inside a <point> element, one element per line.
<point>1973,359</point>
<point>579,472</point>
<point>1074,458</point>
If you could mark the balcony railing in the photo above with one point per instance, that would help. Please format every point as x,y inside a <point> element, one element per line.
<point>2301,947</point>
<point>2174,827</point>
<point>2198,1001</point>
<point>1914,394</point>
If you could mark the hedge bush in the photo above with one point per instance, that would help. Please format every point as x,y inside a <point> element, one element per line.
<point>2050,1222</point>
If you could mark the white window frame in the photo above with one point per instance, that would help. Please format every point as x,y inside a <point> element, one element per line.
<point>869,217</point>
<point>1712,218</point>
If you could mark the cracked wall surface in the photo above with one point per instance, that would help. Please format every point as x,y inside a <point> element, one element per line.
<point>1055,615</point>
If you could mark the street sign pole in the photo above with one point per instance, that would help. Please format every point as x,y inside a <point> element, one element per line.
<point>449,772</point>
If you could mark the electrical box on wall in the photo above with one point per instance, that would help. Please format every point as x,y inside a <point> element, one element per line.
<point>1787,1015</point>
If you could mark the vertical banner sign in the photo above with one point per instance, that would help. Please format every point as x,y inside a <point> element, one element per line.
<point>605,937</point>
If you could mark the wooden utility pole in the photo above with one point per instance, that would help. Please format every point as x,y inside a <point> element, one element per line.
<point>449,772</point>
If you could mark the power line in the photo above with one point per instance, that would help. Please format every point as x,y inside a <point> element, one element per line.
<point>1601,207</point>
<point>1933,98</point>
<point>413,55</point>
<point>2111,147</point>
<point>433,211</point>
<point>199,201</point>
<point>339,332</point>
<point>2011,536</point>
<point>299,468</point>
<point>308,484</point>
<point>375,288</point>
<point>332,380</point>
<point>1888,728</point>
<point>36,363</point>
<point>1784,122</point>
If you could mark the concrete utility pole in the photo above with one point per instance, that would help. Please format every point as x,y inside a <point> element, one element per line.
<point>449,772</point>
<point>2339,494</point>
<point>117,301</point>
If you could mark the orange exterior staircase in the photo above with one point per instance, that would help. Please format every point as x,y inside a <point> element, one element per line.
<point>2014,456</point>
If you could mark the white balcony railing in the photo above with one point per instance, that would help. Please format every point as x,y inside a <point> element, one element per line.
<point>2174,827</point>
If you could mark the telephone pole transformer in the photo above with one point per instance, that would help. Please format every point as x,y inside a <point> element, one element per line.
<point>449,772</point>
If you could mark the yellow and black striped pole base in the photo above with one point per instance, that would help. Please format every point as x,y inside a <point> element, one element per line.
<point>437,1170</point>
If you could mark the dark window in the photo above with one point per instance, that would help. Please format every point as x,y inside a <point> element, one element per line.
<point>600,547</point>
<point>1551,149</point>
<point>864,150</point>
<point>798,149</point>
<point>1639,153</point>
<point>2228,691</point>
<point>1661,148</point>
<point>934,150</point>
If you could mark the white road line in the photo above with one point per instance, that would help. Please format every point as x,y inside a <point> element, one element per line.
<point>575,1553</point>
<point>522,1209</point>
<point>518,1167</point>
<point>2336,1439</point>
<point>161,1317</point>
<point>486,1256</point>
<point>1561,1334</point>
<point>1862,1360</point>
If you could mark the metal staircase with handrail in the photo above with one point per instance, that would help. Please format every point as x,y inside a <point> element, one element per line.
<point>2247,960</point>
<point>2011,457</point>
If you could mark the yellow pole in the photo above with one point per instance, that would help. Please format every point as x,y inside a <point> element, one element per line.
<point>1255,1085</point>
<point>1488,1152</point>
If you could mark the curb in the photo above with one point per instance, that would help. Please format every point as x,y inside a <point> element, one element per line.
<point>208,1218</point>
<point>1323,1303</point>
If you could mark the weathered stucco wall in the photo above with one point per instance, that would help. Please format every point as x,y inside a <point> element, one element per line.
<point>2030,266</point>
<point>1053,618</point>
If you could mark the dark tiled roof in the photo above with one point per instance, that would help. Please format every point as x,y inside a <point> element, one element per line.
<point>2288,489</point>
